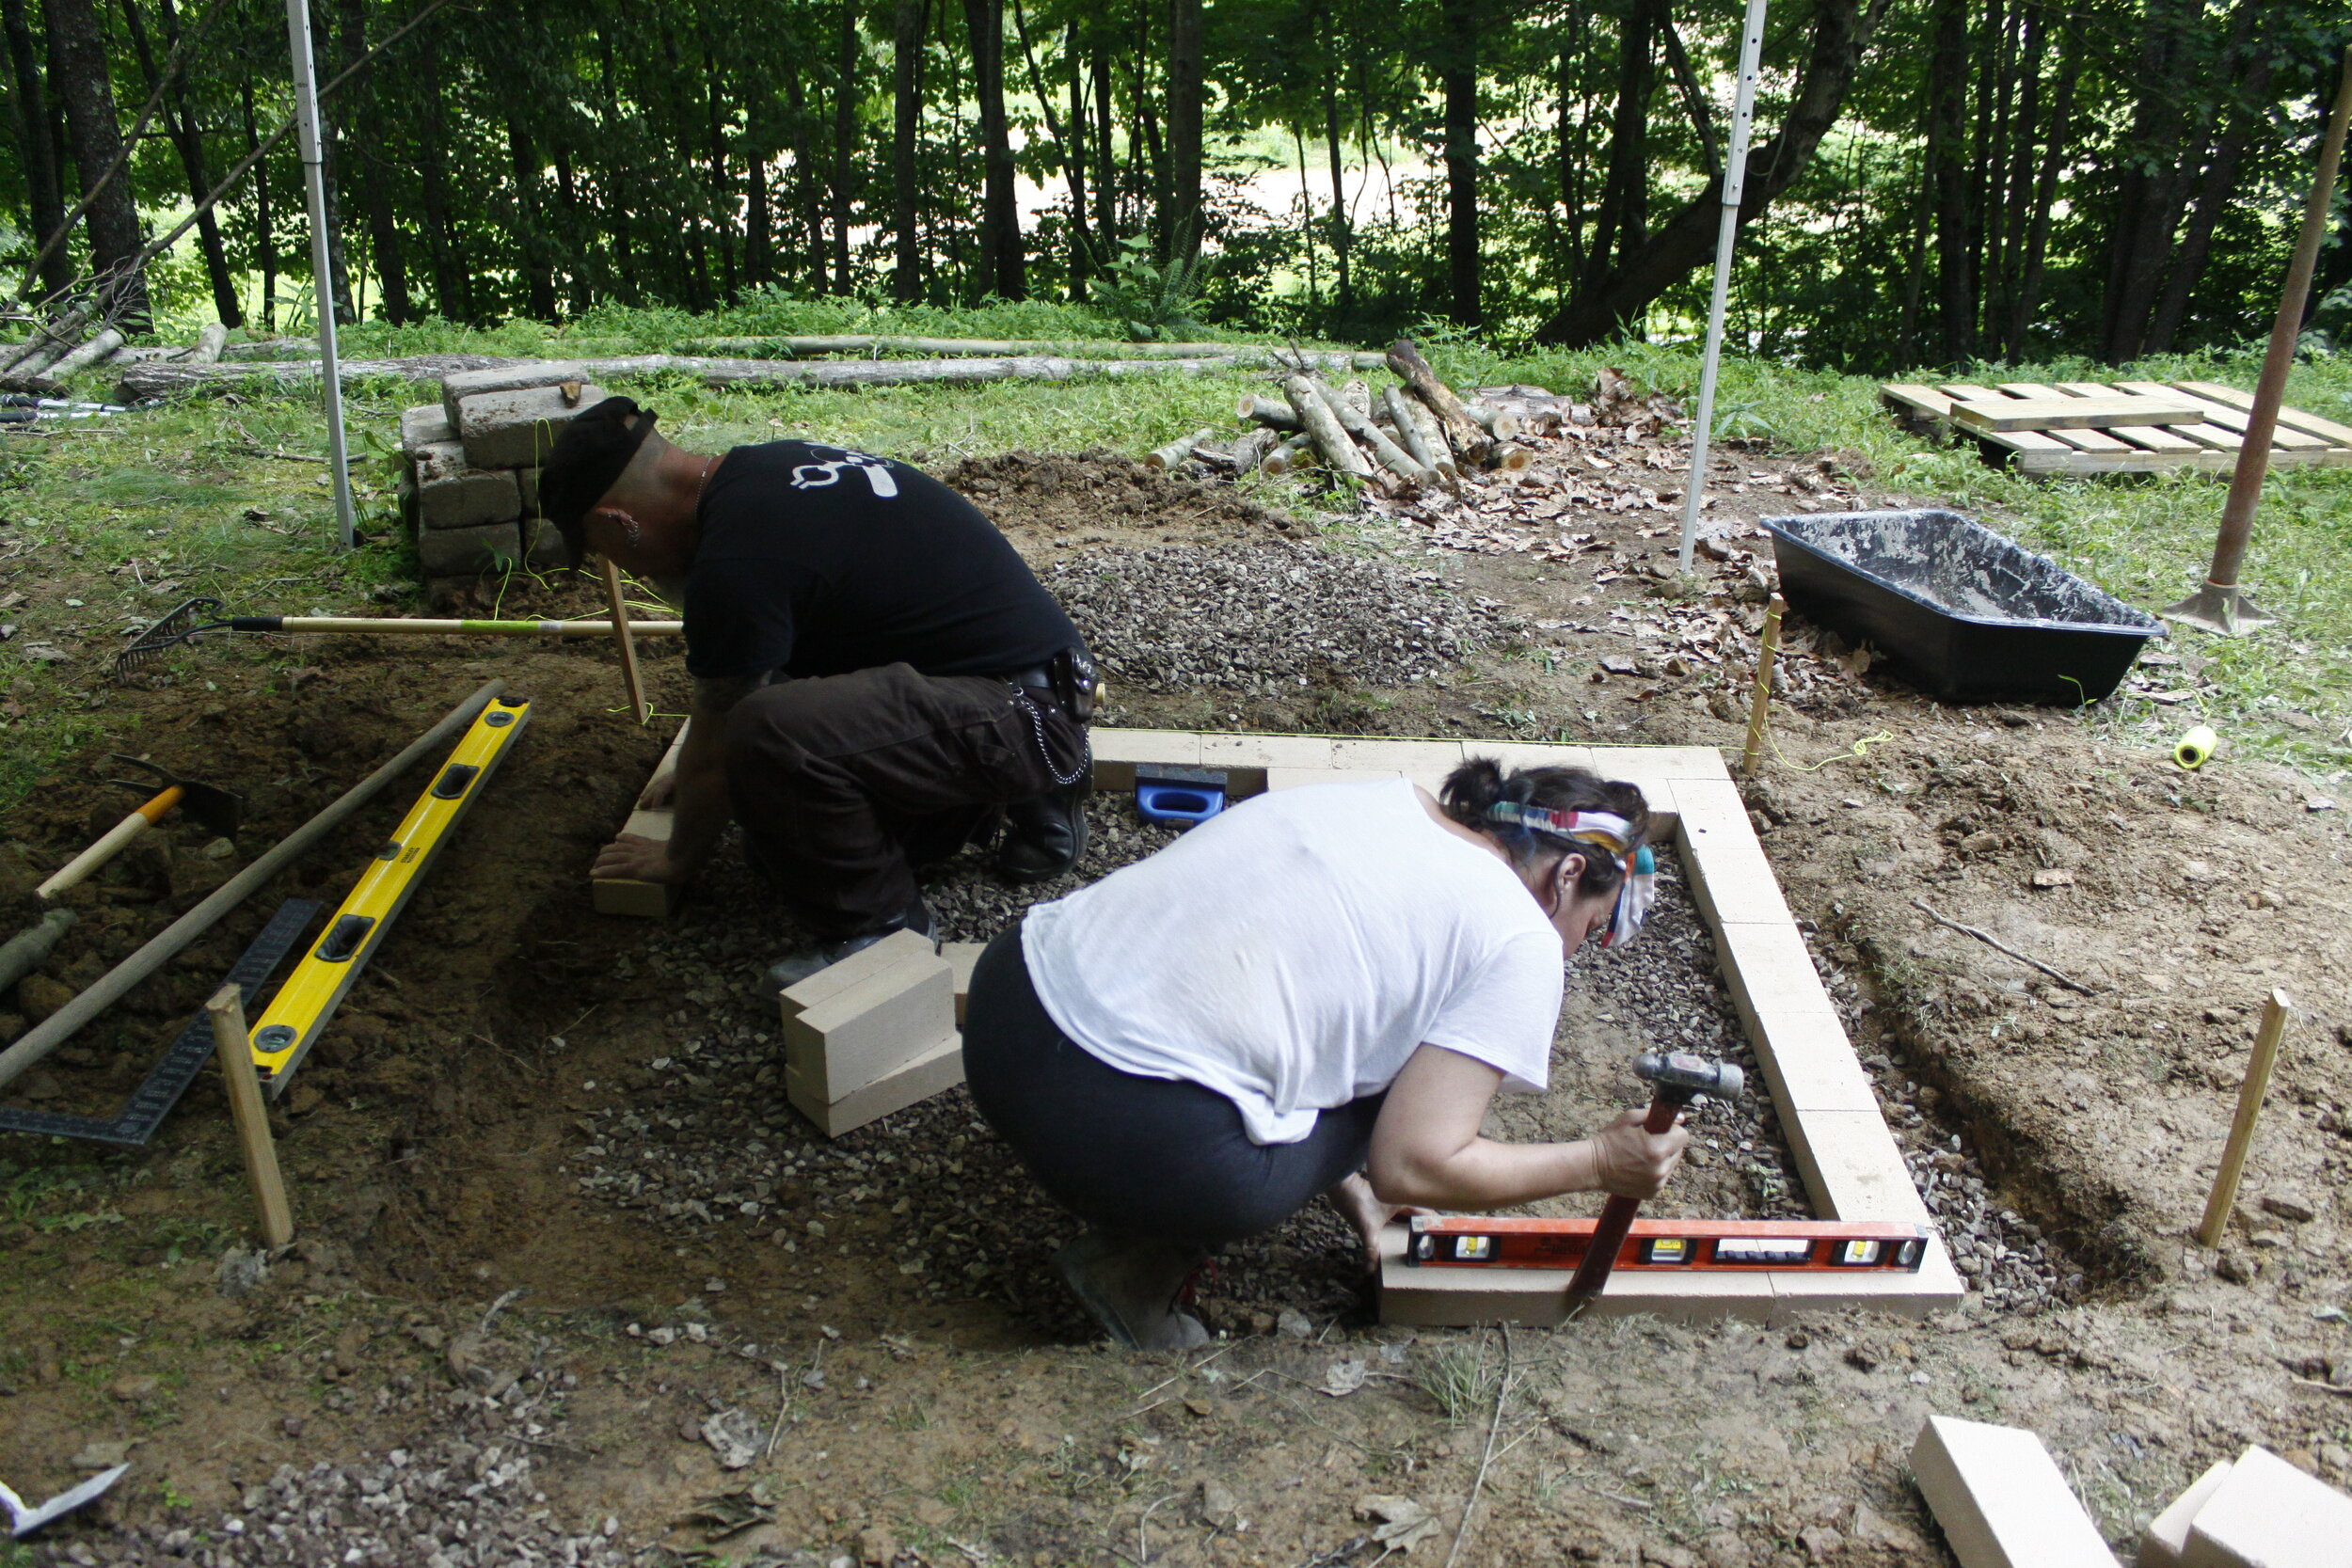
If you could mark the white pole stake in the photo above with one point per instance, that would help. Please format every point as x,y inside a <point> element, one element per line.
<point>1735,185</point>
<point>322,286</point>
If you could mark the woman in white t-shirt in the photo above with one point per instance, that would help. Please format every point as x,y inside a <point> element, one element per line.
<point>1318,990</point>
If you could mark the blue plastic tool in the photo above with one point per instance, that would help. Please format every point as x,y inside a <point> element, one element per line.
<point>1183,796</point>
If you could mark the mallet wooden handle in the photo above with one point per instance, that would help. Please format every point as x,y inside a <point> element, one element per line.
<point>115,841</point>
<point>1616,1217</point>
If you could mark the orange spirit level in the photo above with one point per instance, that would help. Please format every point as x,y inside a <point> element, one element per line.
<point>1478,1241</point>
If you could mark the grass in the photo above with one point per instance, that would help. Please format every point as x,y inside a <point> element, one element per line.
<point>227,498</point>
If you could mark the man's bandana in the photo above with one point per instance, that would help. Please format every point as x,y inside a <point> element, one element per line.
<point>1606,830</point>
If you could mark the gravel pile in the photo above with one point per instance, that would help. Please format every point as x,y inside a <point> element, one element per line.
<point>1258,618</point>
<point>465,1498</point>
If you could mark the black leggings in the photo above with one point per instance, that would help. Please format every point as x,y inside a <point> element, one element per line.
<point>1151,1156</point>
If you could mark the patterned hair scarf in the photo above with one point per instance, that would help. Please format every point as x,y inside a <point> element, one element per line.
<point>1605,831</point>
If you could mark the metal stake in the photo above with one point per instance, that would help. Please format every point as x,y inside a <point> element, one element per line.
<point>321,272</point>
<point>2220,605</point>
<point>1735,185</point>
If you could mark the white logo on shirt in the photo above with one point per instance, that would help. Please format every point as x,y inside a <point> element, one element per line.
<point>816,476</point>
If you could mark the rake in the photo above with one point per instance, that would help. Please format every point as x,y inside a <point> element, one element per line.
<point>202,615</point>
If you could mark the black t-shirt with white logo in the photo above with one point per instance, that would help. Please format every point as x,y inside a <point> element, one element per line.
<point>817,561</point>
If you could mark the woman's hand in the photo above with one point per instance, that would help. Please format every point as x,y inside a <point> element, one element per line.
<point>632,859</point>
<point>1630,1162</point>
<point>1362,1207</point>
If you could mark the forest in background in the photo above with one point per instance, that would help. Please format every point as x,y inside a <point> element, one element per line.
<point>1932,181</point>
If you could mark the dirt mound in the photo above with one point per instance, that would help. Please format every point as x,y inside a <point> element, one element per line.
<point>1098,496</point>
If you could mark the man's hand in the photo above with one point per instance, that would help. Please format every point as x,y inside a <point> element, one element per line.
<point>1628,1162</point>
<point>634,859</point>
<point>659,791</point>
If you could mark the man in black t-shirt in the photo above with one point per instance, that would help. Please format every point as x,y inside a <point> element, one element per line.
<point>877,673</point>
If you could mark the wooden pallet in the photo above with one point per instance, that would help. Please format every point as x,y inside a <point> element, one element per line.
<point>2127,427</point>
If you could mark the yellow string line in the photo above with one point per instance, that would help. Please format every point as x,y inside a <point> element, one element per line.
<point>1859,751</point>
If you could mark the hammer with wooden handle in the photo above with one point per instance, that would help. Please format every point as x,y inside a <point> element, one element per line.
<point>1680,1077</point>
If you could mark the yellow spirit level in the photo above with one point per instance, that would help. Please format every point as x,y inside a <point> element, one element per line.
<point>286,1032</point>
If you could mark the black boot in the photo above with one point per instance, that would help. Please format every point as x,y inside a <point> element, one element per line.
<point>1045,836</point>
<point>795,967</point>
<point>1131,1283</point>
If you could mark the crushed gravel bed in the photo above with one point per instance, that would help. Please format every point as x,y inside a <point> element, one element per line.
<point>1262,618</point>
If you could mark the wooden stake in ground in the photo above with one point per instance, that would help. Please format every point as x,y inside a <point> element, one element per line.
<point>1469,441</point>
<point>244,1103</point>
<point>1752,754</point>
<point>639,711</point>
<point>2249,1106</point>
<point>1324,429</point>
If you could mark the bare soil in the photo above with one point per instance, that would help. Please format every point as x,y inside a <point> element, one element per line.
<point>882,1316</point>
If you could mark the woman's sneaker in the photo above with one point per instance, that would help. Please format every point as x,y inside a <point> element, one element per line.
<point>1131,1283</point>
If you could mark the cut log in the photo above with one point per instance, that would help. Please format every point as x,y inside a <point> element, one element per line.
<point>145,381</point>
<point>1417,432</point>
<point>1357,396</point>
<point>1177,451</point>
<point>1462,433</point>
<point>1249,452</point>
<point>1425,426</point>
<point>1500,423</point>
<point>1323,426</point>
<point>1509,458</point>
<point>1358,423</point>
<point>209,343</point>
<point>1286,455</point>
<point>1270,412</point>
<point>96,351</point>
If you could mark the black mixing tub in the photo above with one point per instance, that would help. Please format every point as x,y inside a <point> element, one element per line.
<point>1961,612</point>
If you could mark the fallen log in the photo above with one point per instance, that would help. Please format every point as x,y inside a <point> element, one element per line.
<point>878,343</point>
<point>1462,433</point>
<point>1286,457</point>
<point>1358,423</point>
<point>153,380</point>
<point>1500,423</point>
<point>1323,427</point>
<point>209,343</point>
<point>1266,411</point>
<point>1167,457</point>
<point>96,351</point>
<point>1417,430</point>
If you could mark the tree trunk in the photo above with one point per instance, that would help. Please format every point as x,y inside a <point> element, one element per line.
<point>1082,246</point>
<point>1693,97</point>
<point>1618,225</point>
<point>1341,231</point>
<point>335,286</point>
<point>264,238</point>
<point>530,257</point>
<point>844,144</point>
<point>113,220</point>
<point>2148,194</point>
<point>620,215</point>
<point>360,161</point>
<point>2044,199</point>
<point>451,279</point>
<point>1948,178</point>
<point>1002,271</point>
<point>1106,159</point>
<point>37,148</point>
<point>1841,31</point>
<point>188,139</point>
<point>906,67</point>
<point>758,242</point>
<point>2214,193</point>
<point>1573,150</point>
<point>1184,129</point>
<point>1458,81</point>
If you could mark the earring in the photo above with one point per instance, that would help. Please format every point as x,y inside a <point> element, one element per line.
<point>632,530</point>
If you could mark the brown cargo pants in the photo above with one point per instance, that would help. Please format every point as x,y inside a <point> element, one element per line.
<point>844,784</point>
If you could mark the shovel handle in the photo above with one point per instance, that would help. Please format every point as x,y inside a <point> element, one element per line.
<point>115,841</point>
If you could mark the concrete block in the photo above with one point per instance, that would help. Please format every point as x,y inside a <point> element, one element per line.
<point>448,552</point>
<point>515,429</point>
<point>527,482</point>
<point>543,547</point>
<point>1295,778</point>
<point>1730,876</point>
<point>1237,752</point>
<point>1517,757</point>
<point>2001,1499</point>
<point>1769,970</point>
<point>962,956</point>
<point>1936,1288</point>
<point>1117,752</point>
<point>858,967</point>
<point>460,385</point>
<point>2266,1514</point>
<point>1412,758</point>
<point>453,493</point>
<point>425,425</point>
<point>934,1071</point>
<point>1809,1065</point>
<point>1851,1168</point>
<point>644,900</point>
<point>1454,1297</point>
<point>1660,762</point>
<point>2167,1535</point>
<point>870,1029</point>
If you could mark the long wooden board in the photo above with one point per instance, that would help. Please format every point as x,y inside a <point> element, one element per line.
<point>2207,440</point>
<point>2062,413</point>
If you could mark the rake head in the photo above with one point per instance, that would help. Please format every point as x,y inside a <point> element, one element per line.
<point>173,629</point>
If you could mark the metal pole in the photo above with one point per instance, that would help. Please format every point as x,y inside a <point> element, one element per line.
<point>1735,186</point>
<point>322,274</point>
<point>2219,605</point>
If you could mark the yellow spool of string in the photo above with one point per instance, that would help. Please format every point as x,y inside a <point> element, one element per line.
<point>2194,749</point>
